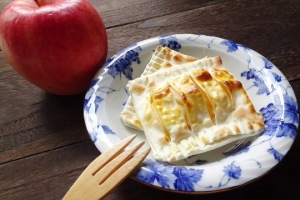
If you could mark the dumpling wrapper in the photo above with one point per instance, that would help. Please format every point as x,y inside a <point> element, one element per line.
<point>163,58</point>
<point>180,116</point>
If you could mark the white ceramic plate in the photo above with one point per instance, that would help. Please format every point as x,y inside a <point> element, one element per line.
<point>232,165</point>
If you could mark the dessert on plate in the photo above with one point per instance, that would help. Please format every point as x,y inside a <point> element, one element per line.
<point>187,106</point>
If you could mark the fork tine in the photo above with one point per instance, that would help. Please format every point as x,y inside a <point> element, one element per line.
<point>108,155</point>
<point>116,163</point>
<point>121,174</point>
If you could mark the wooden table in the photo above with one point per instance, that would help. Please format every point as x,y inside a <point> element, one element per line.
<point>44,144</point>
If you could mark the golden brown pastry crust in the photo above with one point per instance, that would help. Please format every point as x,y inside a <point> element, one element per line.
<point>179,126</point>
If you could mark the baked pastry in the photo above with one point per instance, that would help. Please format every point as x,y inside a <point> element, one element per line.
<point>193,108</point>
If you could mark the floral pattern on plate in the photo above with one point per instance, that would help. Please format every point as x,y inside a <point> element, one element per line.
<point>225,167</point>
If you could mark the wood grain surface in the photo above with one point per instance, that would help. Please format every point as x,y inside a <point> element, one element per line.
<point>44,144</point>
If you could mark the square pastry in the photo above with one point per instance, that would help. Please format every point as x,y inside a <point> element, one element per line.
<point>192,108</point>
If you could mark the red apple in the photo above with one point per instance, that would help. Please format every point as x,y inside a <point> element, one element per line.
<point>57,45</point>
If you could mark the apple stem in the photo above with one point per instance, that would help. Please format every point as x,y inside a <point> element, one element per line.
<point>36,1</point>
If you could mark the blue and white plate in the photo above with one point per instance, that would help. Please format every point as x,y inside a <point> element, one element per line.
<point>229,166</point>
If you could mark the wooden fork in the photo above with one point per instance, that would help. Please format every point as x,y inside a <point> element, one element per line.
<point>107,171</point>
